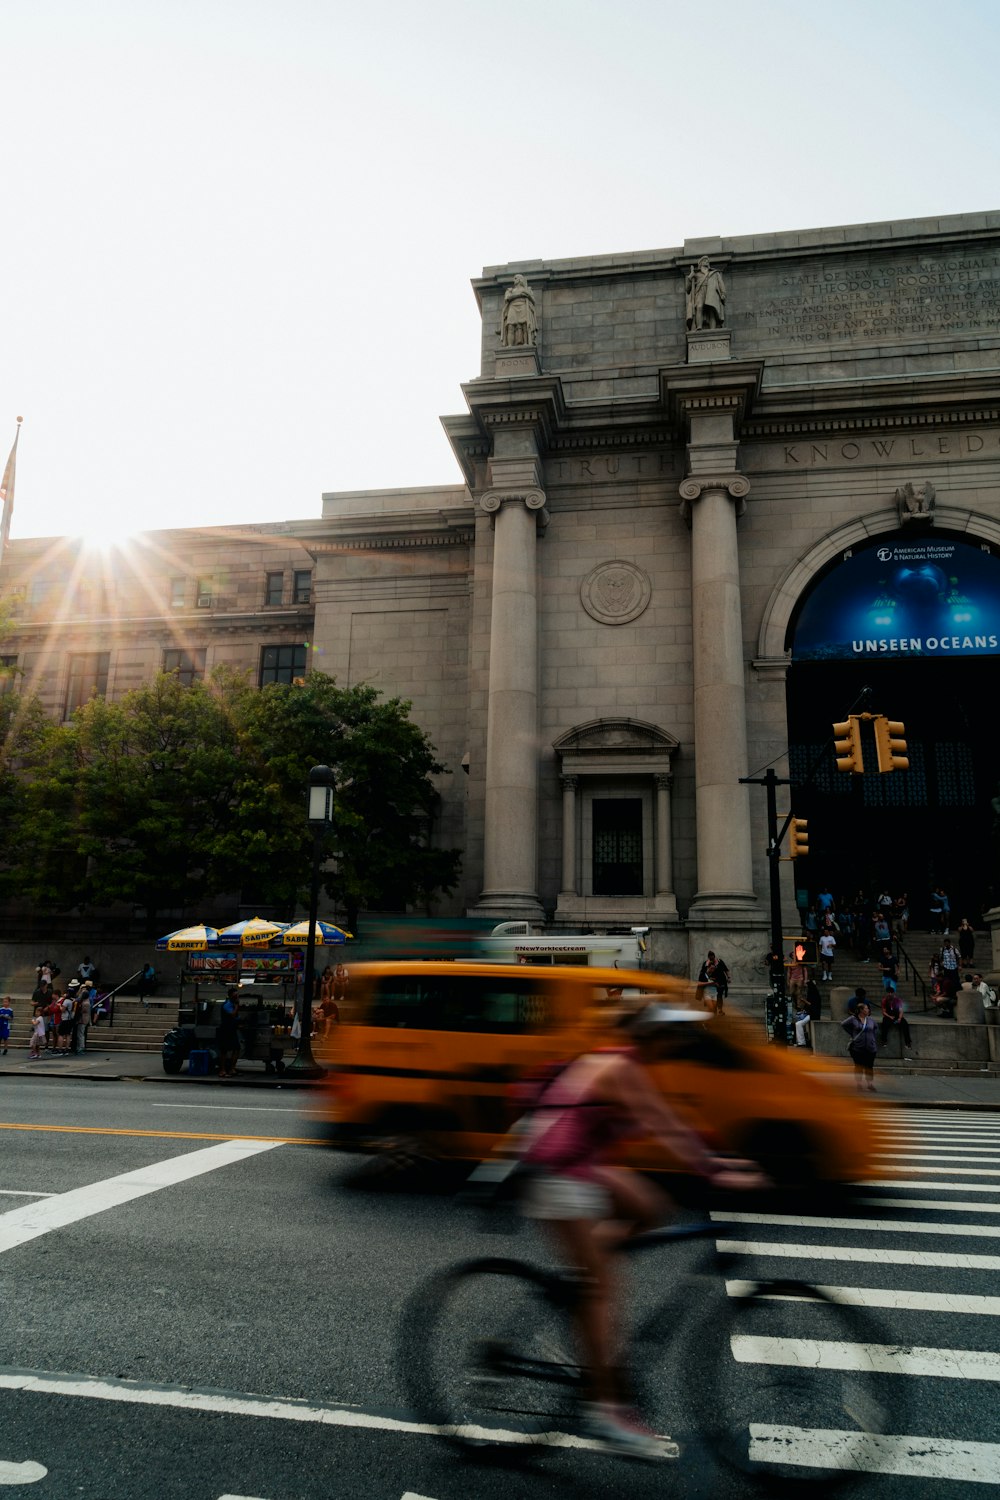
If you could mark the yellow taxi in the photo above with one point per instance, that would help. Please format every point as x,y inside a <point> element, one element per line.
<point>428,1054</point>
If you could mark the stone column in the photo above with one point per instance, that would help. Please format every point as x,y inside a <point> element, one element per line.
<point>664,860</point>
<point>511,827</point>
<point>725,870</point>
<point>569,887</point>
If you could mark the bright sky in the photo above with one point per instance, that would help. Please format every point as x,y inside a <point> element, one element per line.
<point>240,233</point>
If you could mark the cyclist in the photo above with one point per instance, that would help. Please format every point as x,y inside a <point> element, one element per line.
<point>592,1206</point>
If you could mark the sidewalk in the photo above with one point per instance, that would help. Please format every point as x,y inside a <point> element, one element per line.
<point>941,1091</point>
<point>139,1067</point>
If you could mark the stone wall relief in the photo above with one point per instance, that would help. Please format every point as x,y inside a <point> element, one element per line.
<point>616,592</point>
<point>916,503</point>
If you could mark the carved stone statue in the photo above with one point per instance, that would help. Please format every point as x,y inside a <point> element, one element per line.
<point>915,504</point>
<point>704,296</point>
<point>518,324</point>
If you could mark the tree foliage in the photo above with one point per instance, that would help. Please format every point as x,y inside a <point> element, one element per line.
<point>174,794</point>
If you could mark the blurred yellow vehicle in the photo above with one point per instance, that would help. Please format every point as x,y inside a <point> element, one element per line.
<point>428,1054</point>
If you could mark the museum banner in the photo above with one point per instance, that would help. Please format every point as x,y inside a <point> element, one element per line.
<point>924,596</point>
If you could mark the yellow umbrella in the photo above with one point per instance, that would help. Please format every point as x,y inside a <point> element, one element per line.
<point>252,932</point>
<point>189,939</point>
<point>325,933</point>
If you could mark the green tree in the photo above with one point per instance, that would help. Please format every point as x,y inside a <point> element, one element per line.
<point>25,737</point>
<point>175,794</point>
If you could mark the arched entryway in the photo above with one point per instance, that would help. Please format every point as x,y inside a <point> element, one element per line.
<point>913,615</point>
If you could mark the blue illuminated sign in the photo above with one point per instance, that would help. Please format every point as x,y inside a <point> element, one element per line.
<point>932,596</point>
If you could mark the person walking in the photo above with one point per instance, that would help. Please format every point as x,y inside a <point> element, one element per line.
<point>229,1035</point>
<point>950,965</point>
<point>37,1033</point>
<point>827,949</point>
<point>893,1020</point>
<point>966,942</point>
<point>82,1018</point>
<point>862,1046</point>
<point>6,1021</point>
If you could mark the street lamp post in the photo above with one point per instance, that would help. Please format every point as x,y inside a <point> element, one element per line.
<point>320,814</point>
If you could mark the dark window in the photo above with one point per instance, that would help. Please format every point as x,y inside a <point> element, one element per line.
<point>282,664</point>
<point>8,673</point>
<point>274,588</point>
<point>460,1003</point>
<point>303,586</point>
<point>88,676</point>
<point>178,592</point>
<point>189,665</point>
<point>617,846</point>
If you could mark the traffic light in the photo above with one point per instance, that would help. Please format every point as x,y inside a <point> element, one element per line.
<point>890,746</point>
<point>847,745</point>
<point>798,837</point>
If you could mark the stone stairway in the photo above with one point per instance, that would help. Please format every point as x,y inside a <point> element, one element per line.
<point>136,1029</point>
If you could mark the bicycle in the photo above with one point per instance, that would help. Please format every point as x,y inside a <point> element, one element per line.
<point>486,1356</point>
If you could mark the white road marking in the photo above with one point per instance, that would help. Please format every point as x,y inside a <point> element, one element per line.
<point>973,1154</point>
<point>856,1256</point>
<point>955,1208</point>
<point>886,1359</point>
<point>947,1171</point>
<point>871,1226</point>
<point>184,1398</point>
<point>411,1496</point>
<point>27,1473</point>
<point>256,1109</point>
<point>912,1457</point>
<point>937,1187</point>
<point>241,1497</point>
<point>23,1224</point>
<point>889,1297</point>
<point>20,1193</point>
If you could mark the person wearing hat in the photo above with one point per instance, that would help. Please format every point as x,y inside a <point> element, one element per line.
<point>590,1205</point>
<point>68,1008</point>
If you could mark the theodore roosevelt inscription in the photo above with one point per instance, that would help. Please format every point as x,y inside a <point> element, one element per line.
<point>887,297</point>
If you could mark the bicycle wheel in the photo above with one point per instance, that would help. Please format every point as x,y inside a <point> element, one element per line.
<point>486,1356</point>
<point>781,1390</point>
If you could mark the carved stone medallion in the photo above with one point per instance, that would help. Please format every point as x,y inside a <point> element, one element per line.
<point>615,592</point>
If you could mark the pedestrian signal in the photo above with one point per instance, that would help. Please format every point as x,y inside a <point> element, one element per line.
<point>847,745</point>
<point>798,838</point>
<point>801,951</point>
<point>890,746</point>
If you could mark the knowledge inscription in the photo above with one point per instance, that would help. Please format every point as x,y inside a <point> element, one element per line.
<point>872,300</point>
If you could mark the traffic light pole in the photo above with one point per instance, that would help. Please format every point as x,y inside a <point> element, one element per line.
<point>778,1013</point>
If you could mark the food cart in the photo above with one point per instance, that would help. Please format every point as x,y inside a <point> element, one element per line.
<point>266,980</point>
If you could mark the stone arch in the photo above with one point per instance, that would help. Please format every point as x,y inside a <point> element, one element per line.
<point>797,578</point>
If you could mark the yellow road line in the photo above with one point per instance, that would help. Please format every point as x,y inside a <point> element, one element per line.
<point>165,1135</point>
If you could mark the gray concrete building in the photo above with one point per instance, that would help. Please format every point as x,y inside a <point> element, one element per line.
<point>706,496</point>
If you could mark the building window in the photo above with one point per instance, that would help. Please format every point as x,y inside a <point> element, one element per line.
<point>8,671</point>
<point>178,592</point>
<point>274,588</point>
<point>617,846</point>
<point>204,593</point>
<point>88,676</point>
<point>282,664</point>
<point>303,586</point>
<point>189,665</point>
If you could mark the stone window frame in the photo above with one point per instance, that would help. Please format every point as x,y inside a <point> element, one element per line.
<point>616,757</point>
<point>274,591</point>
<point>87,677</point>
<point>282,671</point>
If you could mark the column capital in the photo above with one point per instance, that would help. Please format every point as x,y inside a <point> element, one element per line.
<point>694,486</point>
<point>492,501</point>
<point>570,783</point>
<point>664,780</point>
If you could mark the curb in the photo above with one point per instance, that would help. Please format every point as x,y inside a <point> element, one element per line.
<point>278,1082</point>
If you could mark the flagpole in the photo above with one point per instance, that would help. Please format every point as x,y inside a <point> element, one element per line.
<point>7,491</point>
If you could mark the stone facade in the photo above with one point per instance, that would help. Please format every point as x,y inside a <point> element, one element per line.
<point>598,616</point>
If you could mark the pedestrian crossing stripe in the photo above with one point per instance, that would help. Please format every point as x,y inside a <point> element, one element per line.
<point>885,1359</point>
<point>910,1457</point>
<point>892,1298</point>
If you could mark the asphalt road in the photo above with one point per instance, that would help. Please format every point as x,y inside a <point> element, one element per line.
<point>195,1303</point>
